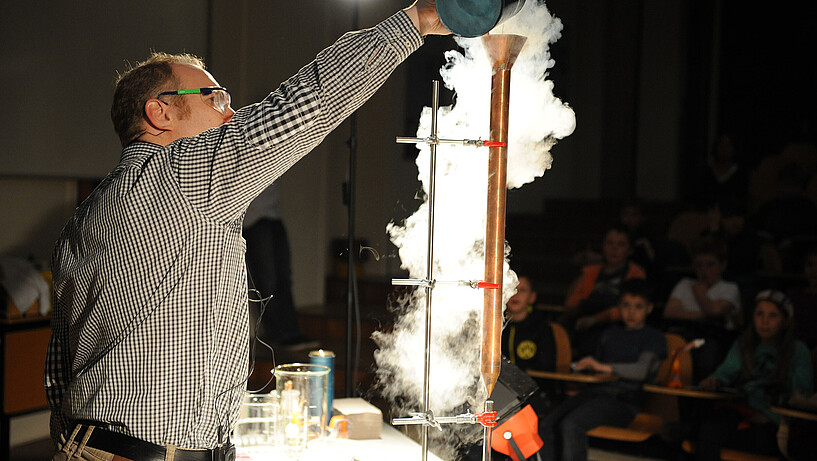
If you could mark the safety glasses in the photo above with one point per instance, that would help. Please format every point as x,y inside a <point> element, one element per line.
<point>218,98</point>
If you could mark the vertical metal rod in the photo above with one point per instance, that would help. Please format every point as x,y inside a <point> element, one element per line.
<point>486,434</point>
<point>435,102</point>
<point>351,276</point>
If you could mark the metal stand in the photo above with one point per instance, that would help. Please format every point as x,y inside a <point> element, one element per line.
<point>426,418</point>
<point>486,432</point>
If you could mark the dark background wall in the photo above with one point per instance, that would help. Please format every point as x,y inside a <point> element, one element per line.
<point>651,82</point>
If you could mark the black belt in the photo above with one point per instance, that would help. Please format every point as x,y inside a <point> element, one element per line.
<point>136,449</point>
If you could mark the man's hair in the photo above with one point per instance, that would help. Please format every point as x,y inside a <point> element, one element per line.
<point>636,287</point>
<point>141,83</point>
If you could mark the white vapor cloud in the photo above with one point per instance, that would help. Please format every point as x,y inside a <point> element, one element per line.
<point>537,119</point>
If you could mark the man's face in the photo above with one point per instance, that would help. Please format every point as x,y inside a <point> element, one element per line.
<point>199,116</point>
<point>616,248</point>
<point>523,298</point>
<point>631,217</point>
<point>634,311</point>
<point>708,268</point>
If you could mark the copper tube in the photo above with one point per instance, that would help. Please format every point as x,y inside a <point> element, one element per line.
<point>503,51</point>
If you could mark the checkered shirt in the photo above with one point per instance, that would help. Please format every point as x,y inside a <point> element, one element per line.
<point>150,325</point>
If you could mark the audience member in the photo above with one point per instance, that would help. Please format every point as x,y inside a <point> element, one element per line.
<point>747,252</point>
<point>631,217</point>
<point>652,251</point>
<point>804,299</point>
<point>705,307</point>
<point>527,338</point>
<point>766,363</point>
<point>724,176</point>
<point>633,351</point>
<point>789,217</point>
<point>593,296</point>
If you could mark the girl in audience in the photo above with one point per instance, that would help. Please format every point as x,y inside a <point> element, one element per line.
<point>766,363</point>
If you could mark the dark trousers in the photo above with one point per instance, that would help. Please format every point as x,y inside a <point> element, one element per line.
<point>564,431</point>
<point>269,271</point>
<point>720,426</point>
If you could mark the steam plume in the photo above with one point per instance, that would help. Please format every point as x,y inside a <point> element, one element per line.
<point>537,119</point>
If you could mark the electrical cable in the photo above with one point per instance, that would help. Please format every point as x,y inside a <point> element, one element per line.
<point>263,303</point>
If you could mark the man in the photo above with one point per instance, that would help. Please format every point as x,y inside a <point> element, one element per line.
<point>149,348</point>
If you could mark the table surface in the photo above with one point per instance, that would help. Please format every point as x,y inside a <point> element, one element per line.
<point>392,445</point>
<point>794,412</point>
<point>573,376</point>
<point>694,392</point>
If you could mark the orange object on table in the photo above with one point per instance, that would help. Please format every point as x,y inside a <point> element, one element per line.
<point>524,429</point>
<point>675,370</point>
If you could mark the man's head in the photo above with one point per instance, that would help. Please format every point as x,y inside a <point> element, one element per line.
<point>631,215</point>
<point>616,246</point>
<point>139,112</point>
<point>517,308</point>
<point>635,303</point>
<point>709,259</point>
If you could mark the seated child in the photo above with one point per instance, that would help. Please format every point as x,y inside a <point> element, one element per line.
<point>527,338</point>
<point>634,352</point>
<point>593,296</point>
<point>766,363</point>
<point>705,307</point>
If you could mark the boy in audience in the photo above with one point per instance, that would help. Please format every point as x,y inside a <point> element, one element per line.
<point>633,351</point>
<point>706,307</point>
<point>527,338</point>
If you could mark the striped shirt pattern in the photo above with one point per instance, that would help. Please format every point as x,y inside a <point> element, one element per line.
<point>150,326</point>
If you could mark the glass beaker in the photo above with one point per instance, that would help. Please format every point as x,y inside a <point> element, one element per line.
<point>302,394</point>
<point>258,421</point>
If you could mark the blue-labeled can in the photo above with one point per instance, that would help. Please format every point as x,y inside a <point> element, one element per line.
<point>326,358</point>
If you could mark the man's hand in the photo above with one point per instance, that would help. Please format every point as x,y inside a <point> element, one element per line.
<point>423,14</point>
<point>700,290</point>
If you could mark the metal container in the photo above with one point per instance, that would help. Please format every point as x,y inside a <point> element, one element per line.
<point>473,18</point>
<point>326,358</point>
